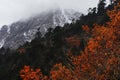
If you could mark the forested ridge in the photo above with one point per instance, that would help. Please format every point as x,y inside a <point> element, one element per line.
<point>88,49</point>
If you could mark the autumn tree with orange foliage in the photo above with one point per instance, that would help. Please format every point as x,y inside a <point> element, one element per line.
<point>73,41</point>
<point>60,72</point>
<point>27,73</point>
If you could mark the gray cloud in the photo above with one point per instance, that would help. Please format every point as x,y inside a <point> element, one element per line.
<point>13,10</point>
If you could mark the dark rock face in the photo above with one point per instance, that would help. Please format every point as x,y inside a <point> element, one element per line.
<point>18,33</point>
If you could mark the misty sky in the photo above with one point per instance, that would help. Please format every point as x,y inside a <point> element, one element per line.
<point>13,10</point>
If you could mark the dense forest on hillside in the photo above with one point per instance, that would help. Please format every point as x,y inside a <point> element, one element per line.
<point>88,49</point>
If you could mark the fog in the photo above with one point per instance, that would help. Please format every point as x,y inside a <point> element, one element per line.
<point>13,10</point>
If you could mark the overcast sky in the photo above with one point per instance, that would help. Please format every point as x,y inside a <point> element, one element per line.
<point>13,10</point>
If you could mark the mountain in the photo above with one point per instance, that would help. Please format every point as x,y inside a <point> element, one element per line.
<point>18,33</point>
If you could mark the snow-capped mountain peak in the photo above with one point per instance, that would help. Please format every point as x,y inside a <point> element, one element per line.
<point>19,32</point>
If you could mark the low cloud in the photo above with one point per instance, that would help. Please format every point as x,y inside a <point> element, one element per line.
<point>13,10</point>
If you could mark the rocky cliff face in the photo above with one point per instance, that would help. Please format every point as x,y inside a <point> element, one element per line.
<point>18,33</point>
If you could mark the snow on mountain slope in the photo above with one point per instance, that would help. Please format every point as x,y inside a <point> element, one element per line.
<point>19,32</point>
